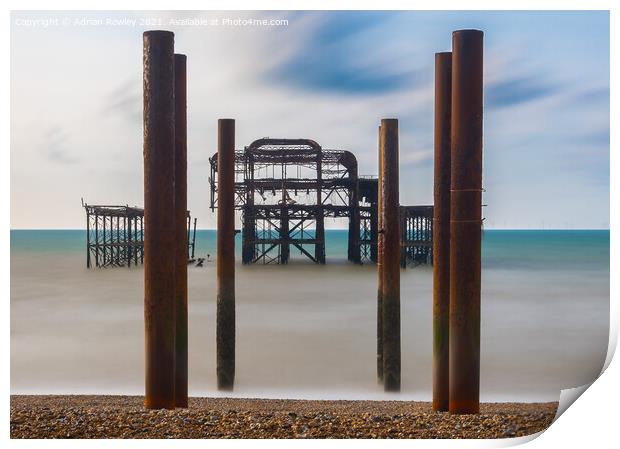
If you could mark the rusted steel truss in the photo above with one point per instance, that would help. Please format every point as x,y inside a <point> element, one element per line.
<point>115,236</point>
<point>416,226</point>
<point>285,188</point>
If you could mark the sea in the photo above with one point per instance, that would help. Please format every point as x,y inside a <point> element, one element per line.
<point>309,331</point>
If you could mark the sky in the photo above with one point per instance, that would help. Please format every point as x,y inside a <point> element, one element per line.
<point>76,104</point>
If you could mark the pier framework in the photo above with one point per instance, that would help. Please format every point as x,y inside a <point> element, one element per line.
<point>285,188</point>
<point>115,236</point>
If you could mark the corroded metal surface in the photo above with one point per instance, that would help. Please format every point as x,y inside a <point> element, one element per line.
<point>181,226</point>
<point>159,245</point>
<point>391,255</point>
<point>226,255</point>
<point>465,221</point>
<point>441,231</point>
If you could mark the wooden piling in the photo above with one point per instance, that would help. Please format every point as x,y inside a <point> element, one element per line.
<point>380,263</point>
<point>465,221</point>
<point>226,255</point>
<point>180,208</point>
<point>159,247</point>
<point>441,231</point>
<point>391,256</point>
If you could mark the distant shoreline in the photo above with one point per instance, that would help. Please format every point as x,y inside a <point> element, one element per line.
<point>103,416</point>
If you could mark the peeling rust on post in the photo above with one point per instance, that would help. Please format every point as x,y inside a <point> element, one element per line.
<point>391,255</point>
<point>441,231</point>
<point>226,255</point>
<point>465,221</point>
<point>181,227</point>
<point>380,264</point>
<point>159,245</point>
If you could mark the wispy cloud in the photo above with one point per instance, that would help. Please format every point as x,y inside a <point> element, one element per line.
<point>415,157</point>
<point>514,91</point>
<point>55,146</point>
<point>125,100</point>
<point>331,59</point>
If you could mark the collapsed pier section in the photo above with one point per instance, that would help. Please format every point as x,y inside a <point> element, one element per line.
<point>115,236</point>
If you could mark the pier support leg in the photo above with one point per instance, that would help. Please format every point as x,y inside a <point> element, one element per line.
<point>465,221</point>
<point>181,241</point>
<point>159,244</point>
<point>441,231</point>
<point>226,255</point>
<point>380,264</point>
<point>374,230</point>
<point>319,247</point>
<point>391,256</point>
<point>285,246</point>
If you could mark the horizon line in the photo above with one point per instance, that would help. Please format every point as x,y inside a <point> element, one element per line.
<point>344,229</point>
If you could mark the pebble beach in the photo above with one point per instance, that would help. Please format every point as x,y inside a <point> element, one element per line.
<point>106,416</point>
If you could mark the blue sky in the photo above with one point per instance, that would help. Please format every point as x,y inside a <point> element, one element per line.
<point>76,106</point>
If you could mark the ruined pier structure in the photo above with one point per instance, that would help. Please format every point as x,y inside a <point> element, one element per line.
<point>115,236</point>
<point>274,220</point>
<point>286,188</point>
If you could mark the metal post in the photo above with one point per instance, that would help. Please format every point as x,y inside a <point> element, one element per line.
<point>180,207</point>
<point>159,246</point>
<point>374,229</point>
<point>189,232</point>
<point>380,262</point>
<point>105,249</point>
<point>96,240</point>
<point>391,256</point>
<point>319,247</point>
<point>125,247</point>
<point>194,238</point>
<point>284,234</point>
<point>465,221</point>
<point>354,217</point>
<point>138,238</point>
<point>87,239</point>
<point>441,231</point>
<point>130,242</point>
<point>118,240</point>
<point>142,239</point>
<point>226,255</point>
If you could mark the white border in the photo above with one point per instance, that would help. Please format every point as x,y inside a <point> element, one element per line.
<point>590,421</point>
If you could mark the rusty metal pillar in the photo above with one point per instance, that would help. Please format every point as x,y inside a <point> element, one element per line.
<point>319,236</point>
<point>87,239</point>
<point>391,256</point>
<point>441,231</point>
<point>194,239</point>
<point>159,246</point>
<point>181,241</point>
<point>465,221</point>
<point>380,263</point>
<point>285,246</point>
<point>226,255</point>
<point>354,216</point>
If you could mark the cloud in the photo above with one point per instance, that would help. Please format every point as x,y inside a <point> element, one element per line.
<point>415,157</point>
<point>126,100</point>
<point>54,146</point>
<point>334,58</point>
<point>514,91</point>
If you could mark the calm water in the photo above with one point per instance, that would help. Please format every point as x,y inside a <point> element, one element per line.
<point>309,331</point>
